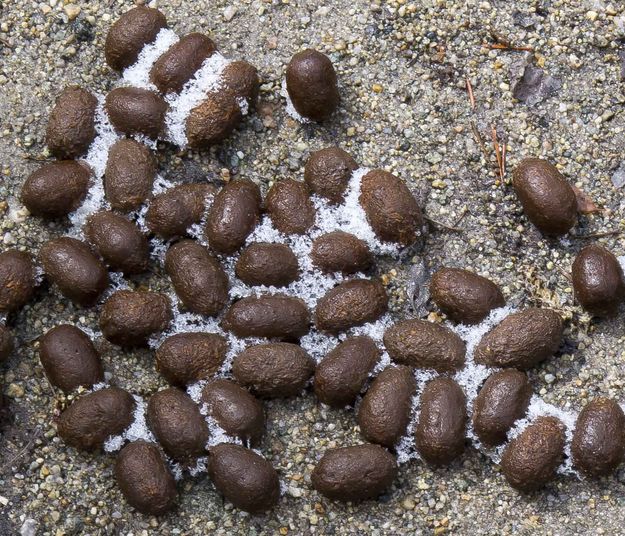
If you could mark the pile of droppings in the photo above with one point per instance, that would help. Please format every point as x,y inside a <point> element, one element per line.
<point>550,370</point>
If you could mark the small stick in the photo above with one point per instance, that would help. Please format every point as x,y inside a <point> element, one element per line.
<point>598,235</point>
<point>493,133</point>
<point>501,46</point>
<point>23,451</point>
<point>37,158</point>
<point>478,138</point>
<point>461,217</point>
<point>498,38</point>
<point>443,225</point>
<point>470,91</point>
<point>503,159</point>
<point>565,275</point>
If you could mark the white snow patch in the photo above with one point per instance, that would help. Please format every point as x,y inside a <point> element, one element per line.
<point>473,375</point>
<point>206,79</point>
<point>39,274</point>
<point>150,143</point>
<point>406,449</point>
<point>290,108</point>
<point>138,74</point>
<point>106,136</point>
<point>199,467</point>
<point>195,391</point>
<point>470,378</point>
<point>96,159</point>
<point>217,434</point>
<point>190,323</point>
<point>539,408</point>
<point>243,105</point>
<point>161,184</point>
<point>97,387</point>
<point>137,430</point>
<point>318,344</point>
<point>196,230</point>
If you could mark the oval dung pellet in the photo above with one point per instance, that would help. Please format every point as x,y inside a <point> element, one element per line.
<point>130,33</point>
<point>129,175</point>
<point>502,400</point>
<point>328,172</point>
<point>171,213</point>
<point>145,479</point>
<point>178,64</point>
<point>341,375</point>
<point>235,410</point>
<point>277,369</point>
<point>521,340</point>
<point>71,126</point>
<point>17,280</point>
<point>384,413</point>
<point>598,280</point>
<point>548,200</point>
<point>391,209</point>
<point>198,279</point>
<point>262,263</point>
<point>290,207</point>
<point>186,358</point>
<point>423,344</point>
<point>119,241</point>
<point>213,120</point>
<point>134,110</point>
<point>598,445</point>
<point>75,269</point>
<point>241,79</point>
<point>7,345</point>
<point>351,304</point>
<point>69,358</point>
<point>464,296</point>
<point>233,215</point>
<point>177,424</point>
<point>530,460</point>
<point>339,251</point>
<point>129,318</point>
<point>270,315</point>
<point>94,417</point>
<point>243,477</point>
<point>441,425</point>
<point>354,473</point>
<point>56,189</point>
<point>312,85</point>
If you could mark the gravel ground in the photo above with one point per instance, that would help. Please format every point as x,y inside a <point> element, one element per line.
<point>405,107</point>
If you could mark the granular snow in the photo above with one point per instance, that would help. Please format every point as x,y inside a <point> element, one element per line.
<point>137,430</point>
<point>207,79</point>
<point>96,159</point>
<point>138,74</point>
<point>406,449</point>
<point>290,109</point>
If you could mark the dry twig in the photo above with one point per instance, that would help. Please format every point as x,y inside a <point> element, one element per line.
<point>598,235</point>
<point>503,158</point>
<point>480,140</point>
<point>498,153</point>
<point>443,225</point>
<point>502,43</point>
<point>23,451</point>
<point>500,46</point>
<point>566,275</point>
<point>470,91</point>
